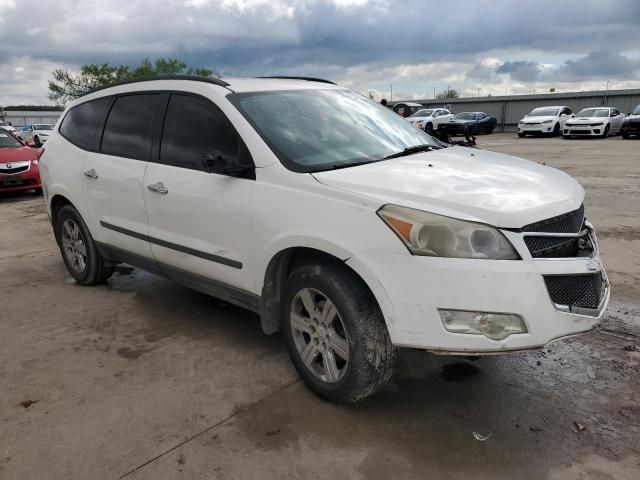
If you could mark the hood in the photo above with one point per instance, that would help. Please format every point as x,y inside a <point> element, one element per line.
<point>417,119</point>
<point>18,154</point>
<point>587,120</point>
<point>460,121</point>
<point>632,118</point>
<point>534,120</point>
<point>465,183</point>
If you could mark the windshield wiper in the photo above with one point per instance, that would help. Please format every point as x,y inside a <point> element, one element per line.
<point>337,166</point>
<point>411,150</point>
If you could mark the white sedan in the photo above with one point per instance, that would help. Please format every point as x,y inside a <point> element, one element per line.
<point>428,119</point>
<point>595,121</point>
<point>544,120</point>
<point>38,132</point>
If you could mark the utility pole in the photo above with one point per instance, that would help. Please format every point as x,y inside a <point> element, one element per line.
<point>478,91</point>
<point>434,93</point>
<point>391,100</point>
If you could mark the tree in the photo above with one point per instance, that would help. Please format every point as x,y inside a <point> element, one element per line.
<point>66,86</point>
<point>451,93</point>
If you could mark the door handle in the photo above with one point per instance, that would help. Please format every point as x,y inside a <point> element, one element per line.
<point>91,173</point>
<point>158,187</point>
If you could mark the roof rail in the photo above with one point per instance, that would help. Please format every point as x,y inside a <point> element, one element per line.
<point>194,78</point>
<point>308,79</point>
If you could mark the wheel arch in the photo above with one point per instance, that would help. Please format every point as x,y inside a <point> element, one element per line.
<point>283,262</point>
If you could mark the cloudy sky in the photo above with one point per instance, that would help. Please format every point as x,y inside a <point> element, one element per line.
<point>475,46</point>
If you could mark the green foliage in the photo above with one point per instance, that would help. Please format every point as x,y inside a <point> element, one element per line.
<point>66,86</point>
<point>451,93</point>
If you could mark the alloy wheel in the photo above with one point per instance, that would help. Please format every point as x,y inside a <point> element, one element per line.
<point>319,335</point>
<point>75,248</point>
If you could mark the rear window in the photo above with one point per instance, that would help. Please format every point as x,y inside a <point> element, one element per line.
<point>80,125</point>
<point>127,132</point>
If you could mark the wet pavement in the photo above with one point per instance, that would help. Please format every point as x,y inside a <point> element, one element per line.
<point>143,378</point>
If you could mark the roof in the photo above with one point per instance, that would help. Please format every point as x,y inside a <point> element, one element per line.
<point>234,84</point>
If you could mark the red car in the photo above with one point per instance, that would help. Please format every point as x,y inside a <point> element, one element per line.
<point>18,164</point>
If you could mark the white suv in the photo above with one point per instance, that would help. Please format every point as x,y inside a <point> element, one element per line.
<point>338,222</point>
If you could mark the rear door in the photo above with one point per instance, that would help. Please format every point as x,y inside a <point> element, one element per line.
<point>199,222</point>
<point>114,174</point>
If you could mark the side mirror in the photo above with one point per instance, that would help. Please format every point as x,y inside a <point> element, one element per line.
<point>242,167</point>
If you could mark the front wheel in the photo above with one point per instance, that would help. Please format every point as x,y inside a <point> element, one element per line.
<point>624,134</point>
<point>78,249</point>
<point>429,128</point>
<point>605,134</point>
<point>335,333</point>
<point>556,130</point>
<point>522,135</point>
<point>36,141</point>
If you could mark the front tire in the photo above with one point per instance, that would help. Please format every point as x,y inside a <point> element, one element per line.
<point>624,134</point>
<point>556,130</point>
<point>36,141</point>
<point>522,135</point>
<point>335,333</point>
<point>429,128</point>
<point>605,134</point>
<point>78,249</point>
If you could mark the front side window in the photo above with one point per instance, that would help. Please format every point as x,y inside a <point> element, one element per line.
<point>193,129</point>
<point>127,132</point>
<point>313,130</point>
<point>81,123</point>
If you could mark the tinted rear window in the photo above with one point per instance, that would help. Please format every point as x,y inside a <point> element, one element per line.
<point>127,132</point>
<point>81,123</point>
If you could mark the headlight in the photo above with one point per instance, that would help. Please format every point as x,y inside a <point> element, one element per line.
<point>433,235</point>
<point>547,121</point>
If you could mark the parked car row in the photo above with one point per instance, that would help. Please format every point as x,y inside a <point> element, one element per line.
<point>591,122</point>
<point>443,121</point>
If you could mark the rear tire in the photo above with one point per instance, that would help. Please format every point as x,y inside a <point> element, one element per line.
<point>335,333</point>
<point>79,250</point>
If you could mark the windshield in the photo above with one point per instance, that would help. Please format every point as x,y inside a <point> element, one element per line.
<point>423,113</point>
<point>593,112</point>
<point>544,112</point>
<point>8,140</point>
<point>313,130</point>
<point>465,116</point>
<point>43,127</point>
<point>637,110</point>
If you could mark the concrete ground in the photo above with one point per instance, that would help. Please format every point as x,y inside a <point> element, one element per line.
<point>144,379</point>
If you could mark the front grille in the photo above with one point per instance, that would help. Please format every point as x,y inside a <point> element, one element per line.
<point>16,169</point>
<point>566,223</point>
<point>559,247</point>
<point>583,132</point>
<point>584,291</point>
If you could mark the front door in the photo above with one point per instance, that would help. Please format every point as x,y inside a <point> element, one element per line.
<point>199,222</point>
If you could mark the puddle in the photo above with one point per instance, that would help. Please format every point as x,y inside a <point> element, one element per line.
<point>459,372</point>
